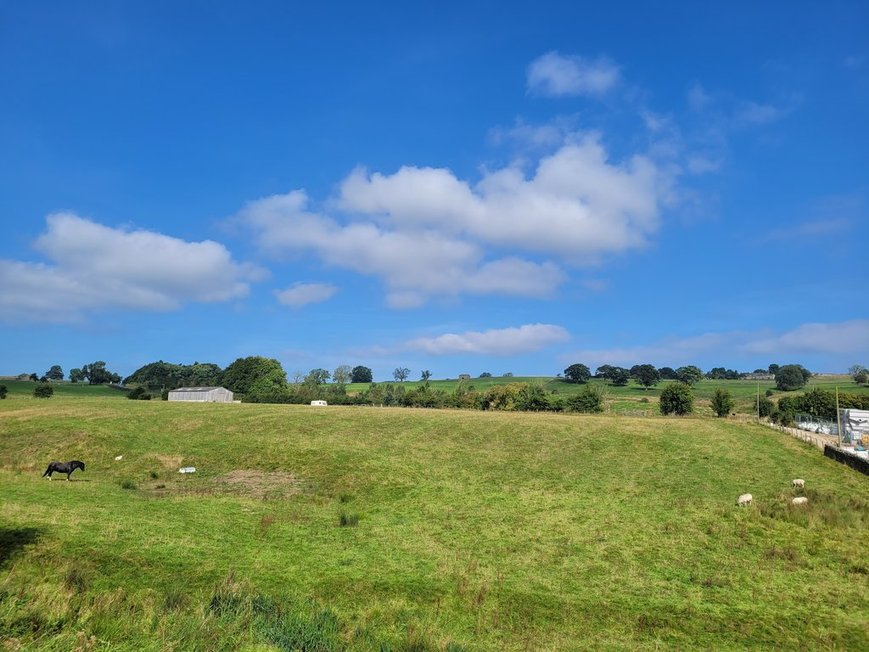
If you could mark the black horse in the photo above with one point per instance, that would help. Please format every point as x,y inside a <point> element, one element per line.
<point>63,467</point>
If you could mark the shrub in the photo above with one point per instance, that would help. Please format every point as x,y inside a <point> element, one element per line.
<point>127,484</point>
<point>722,403</point>
<point>769,393</point>
<point>139,394</point>
<point>3,391</point>
<point>677,398</point>
<point>765,407</point>
<point>590,399</point>
<point>43,390</point>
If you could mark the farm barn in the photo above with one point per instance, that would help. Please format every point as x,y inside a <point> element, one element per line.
<point>201,394</point>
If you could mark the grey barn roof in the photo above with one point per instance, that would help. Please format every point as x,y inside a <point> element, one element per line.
<point>195,389</point>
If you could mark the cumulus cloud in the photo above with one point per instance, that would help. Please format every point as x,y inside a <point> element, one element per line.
<point>302,294</point>
<point>92,267</point>
<point>556,75</point>
<point>577,204</point>
<point>501,342</point>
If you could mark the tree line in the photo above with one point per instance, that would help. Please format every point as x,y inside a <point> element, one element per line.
<point>787,377</point>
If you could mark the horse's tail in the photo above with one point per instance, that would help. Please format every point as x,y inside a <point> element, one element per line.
<point>47,471</point>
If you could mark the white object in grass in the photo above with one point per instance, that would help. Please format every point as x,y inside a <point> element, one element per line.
<point>187,469</point>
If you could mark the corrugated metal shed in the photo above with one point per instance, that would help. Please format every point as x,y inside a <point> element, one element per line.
<point>201,394</point>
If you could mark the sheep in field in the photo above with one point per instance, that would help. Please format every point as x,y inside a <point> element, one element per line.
<point>800,500</point>
<point>744,499</point>
<point>798,483</point>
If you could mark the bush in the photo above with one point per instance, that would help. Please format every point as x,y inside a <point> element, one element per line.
<point>139,394</point>
<point>590,400</point>
<point>722,403</point>
<point>765,407</point>
<point>769,393</point>
<point>43,390</point>
<point>3,391</point>
<point>677,398</point>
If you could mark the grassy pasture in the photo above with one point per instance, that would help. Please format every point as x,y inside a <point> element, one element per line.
<point>63,388</point>
<point>403,529</point>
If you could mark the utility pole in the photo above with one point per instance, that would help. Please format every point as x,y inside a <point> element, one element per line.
<point>838,417</point>
<point>758,400</point>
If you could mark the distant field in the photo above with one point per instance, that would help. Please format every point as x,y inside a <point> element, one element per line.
<point>462,531</point>
<point>63,388</point>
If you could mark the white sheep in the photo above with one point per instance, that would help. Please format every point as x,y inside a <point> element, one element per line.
<point>800,500</point>
<point>744,499</point>
<point>798,483</point>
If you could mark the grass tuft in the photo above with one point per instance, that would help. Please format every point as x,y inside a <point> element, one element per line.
<point>348,519</point>
<point>127,484</point>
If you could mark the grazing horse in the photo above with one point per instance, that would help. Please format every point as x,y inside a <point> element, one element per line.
<point>63,467</point>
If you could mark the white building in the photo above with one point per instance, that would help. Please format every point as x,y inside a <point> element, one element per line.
<point>201,394</point>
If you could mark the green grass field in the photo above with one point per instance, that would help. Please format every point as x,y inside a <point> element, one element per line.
<point>461,531</point>
<point>25,388</point>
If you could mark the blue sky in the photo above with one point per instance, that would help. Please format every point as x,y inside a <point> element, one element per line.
<point>463,187</point>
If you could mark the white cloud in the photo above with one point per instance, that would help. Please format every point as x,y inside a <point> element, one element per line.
<point>698,98</point>
<point>848,337</point>
<point>752,113</point>
<point>577,205</point>
<point>302,294</point>
<point>501,342</point>
<point>95,267</point>
<point>414,264</point>
<point>555,75</point>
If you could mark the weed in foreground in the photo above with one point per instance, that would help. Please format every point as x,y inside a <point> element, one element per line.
<point>348,519</point>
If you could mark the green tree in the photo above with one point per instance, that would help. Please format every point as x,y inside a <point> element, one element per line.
<point>342,374</point>
<point>361,374</point>
<point>773,369</point>
<point>620,376</point>
<point>859,373</point>
<point>689,375</point>
<point>400,374</point>
<point>791,377</point>
<point>97,374</point>
<point>485,374</point>
<point>722,402</point>
<point>43,390</point>
<point>317,377</point>
<point>668,373</point>
<point>55,373</point>
<point>425,375</point>
<point>677,398</point>
<point>244,372</point>
<point>76,375</point>
<point>577,373</point>
<point>3,391</point>
<point>646,375</point>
